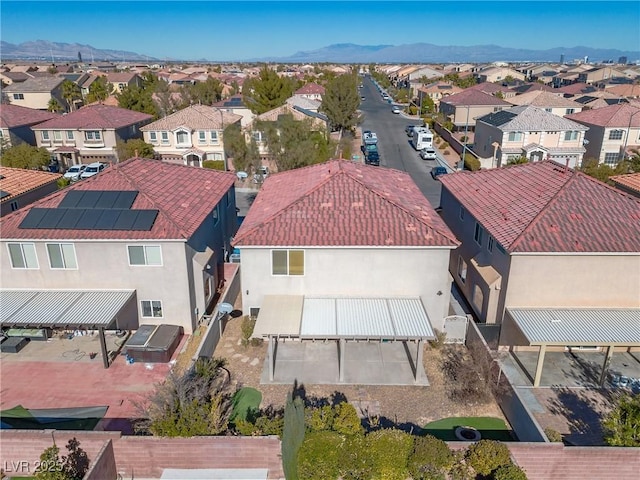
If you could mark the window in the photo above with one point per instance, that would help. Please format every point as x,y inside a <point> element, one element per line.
<point>57,136</point>
<point>216,215</point>
<point>23,255</point>
<point>45,135</point>
<point>213,135</point>
<point>515,136</point>
<point>462,269</point>
<point>477,235</point>
<point>616,134</point>
<point>148,255</point>
<point>571,135</point>
<point>287,262</point>
<point>202,137</point>
<point>14,205</point>
<point>550,110</point>
<point>569,111</point>
<point>69,135</point>
<point>92,135</point>
<point>611,158</point>
<point>62,256</point>
<point>257,136</point>
<point>151,308</point>
<point>490,243</point>
<point>165,137</point>
<point>182,138</point>
<point>153,137</point>
<point>18,96</point>
<point>461,213</point>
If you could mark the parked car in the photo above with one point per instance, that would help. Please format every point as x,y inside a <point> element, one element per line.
<point>437,172</point>
<point>409,130</point>
<point>395,110</point>
<point>362,98</point>
<point>372,158</point>
<point>92,169</point>
<point>74,172</point>
<point>428,154</point>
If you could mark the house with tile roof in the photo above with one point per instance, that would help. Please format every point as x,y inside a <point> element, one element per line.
<point>35,92</point>
<point>498,74</point>
<point>89,134</point>
<point>121,80</point>
<point>527,131</point>
<point>436,91</point>
<point>350,236</point>
<point>599,75</point>
<point>20,187</point>
<point>311,90</point>
<point>548,101</point>
<point>630,91</point>
<point>463,108</point>
<point>629,183</point>
<point>613,132</point>
<point>549,253</point>
<point>156,231</point>
<point>235,104</point>
<point>16,123</point>
<point>191,135</point>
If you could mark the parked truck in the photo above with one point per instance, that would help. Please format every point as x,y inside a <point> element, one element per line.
<point>422,138</point>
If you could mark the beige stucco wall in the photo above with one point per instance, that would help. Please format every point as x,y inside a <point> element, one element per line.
<point>105,265</point>
<point>574,281</point>
<point>36,100</point>
<point>354,272</point>
<point>172,148</point>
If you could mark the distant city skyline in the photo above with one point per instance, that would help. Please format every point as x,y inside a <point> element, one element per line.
<point>242,30</point>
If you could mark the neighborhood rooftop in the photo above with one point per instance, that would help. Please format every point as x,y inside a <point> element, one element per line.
<point>94,117</point>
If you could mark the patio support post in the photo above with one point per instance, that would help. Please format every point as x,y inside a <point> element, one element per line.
<point>103,347</point>
<point>539,365</point>
<point>271,359</point>
<point>341,347</point>
<point>605,365</point>
<point>418,360</point>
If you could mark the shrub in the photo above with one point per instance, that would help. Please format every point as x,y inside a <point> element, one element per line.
<point>460,470</point>
<point>389,450</point>
<point>447,152</point>
<point>448,125</point>
<point>429,459</point>
<point>320,418</point>
<point>440,339</point>
<point>246,327</point>
<point>355,459</point>
<point>553,435</point>
<point>63,182</point>
<point>509,472</point>
<point>319,454</point>
<point>471,162</point>
<point>213,164</point>
<point>463,139</point>
<point>487,455</point>
<point>347,420</point>
<point>466,382</point>
<point>621,424</point>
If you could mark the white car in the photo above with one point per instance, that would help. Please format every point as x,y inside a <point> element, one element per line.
<point>428,154</point>
<point>74,172</point>
<point>395,110</point>
<point>92,169</point>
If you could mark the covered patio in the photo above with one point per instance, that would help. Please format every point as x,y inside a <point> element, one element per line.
<point>374,341</point>
<point>69,309</point>
<point>569,335</point>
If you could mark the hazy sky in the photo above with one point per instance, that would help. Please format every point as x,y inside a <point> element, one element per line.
<point>237,30</point>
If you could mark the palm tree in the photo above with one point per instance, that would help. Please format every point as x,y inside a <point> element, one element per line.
<point>54,106</point>
<point>70,92</point>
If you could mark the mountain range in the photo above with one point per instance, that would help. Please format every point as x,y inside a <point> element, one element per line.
<point>338,53</point>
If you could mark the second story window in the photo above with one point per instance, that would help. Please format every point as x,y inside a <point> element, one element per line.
<point>478,233</point>
<point>214,136</point>
<point>202,137</point>
<point>461,213</point>
<point>69,134</point>
<point>287,262</point>
<point>569,111</point>
<point>45,135</point>
<point>62,256</point>
<point>92,136</point>
<point>57,136</point>
<point>23,255</point>
<point>18,96</point>
<point>490,244</point>
<point>153,137</point>
<point>571,135</point>
<point>515,136</point>
<point>145,255</point>
<point>257,136</point>
<point>182,138</point>
<point>616,134</point>
<point>165,138</point>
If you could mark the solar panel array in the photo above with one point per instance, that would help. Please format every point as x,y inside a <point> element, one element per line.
<point>4,194</point>
<point>92,210</point>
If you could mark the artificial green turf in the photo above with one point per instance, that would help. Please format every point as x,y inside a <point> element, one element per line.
<point>245,400</point>
<point>490,428</point>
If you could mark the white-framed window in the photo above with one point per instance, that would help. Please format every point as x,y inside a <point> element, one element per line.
<point>611,158</point>
<point>616,134</point>
<point>462,270</point>
<point>550,110</point>
<point>153,137</point>
<point>23,255</point>
<point>164,138</point>
<point>62,256</point>
<point>202,137</point>
<point>257,136</point>
<point>145,255</point>
<point>478,233</point>
<point>213,136</point>
<point>571,135</point>
<point>490,243</point>
<point>18,96</point>
<point>214,156</point>
<point>93,135</point>
<point>287,262</point>
<point>45,135</point>
<point>515,136</point>
<point>461,214</point>
<point>151,308</point>
<point>69,134</point>
<point>182,138</point>
<point>569,111</point>
<point>57,136</point>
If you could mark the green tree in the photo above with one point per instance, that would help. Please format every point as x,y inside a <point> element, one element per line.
<point>204,93</point>
<point>427,105</point>
<point>266,91</point>
<point>517,160</point>
<point>509,472</point>
<point>135,147</point>
<point>461,82</point>
<point>430,458</point>
<point>54,106</point>
<point>138,99</point>
<point>245,156</point>
<point>99,90</point>
<point>24,155</point>
<point>622,425</point>
<point>71,92</point>
<point>72,466</point>
<point>602,171</point>
<point>340,102</point>
<point>292,435</point>
<point>487,455</point>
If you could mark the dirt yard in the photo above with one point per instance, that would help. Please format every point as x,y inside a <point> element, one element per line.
<point>410,405</point>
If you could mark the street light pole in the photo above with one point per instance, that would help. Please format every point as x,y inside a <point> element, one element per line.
<point>626,138</point>
<point>464,147</point>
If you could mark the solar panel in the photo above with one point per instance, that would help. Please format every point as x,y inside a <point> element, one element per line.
<point>125,199</point>
<point>145,219</point>
<point>88,219</point>
<point>90,199</point>
<point>51,218</point>
<point>99,199</point>
<point>4,194</point>
<point>107,219</point>
<point>106,200</point>
<point>71,199</point>
<point>70,218</point>
<point>32,219</point>
<point>126,219</point>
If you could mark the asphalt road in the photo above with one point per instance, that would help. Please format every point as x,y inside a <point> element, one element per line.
<point>393,143</point>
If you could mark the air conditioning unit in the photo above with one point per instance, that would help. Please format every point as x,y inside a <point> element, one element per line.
<point>234,258</point>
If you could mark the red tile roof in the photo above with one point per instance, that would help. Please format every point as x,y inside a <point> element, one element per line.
<point>474,97</point>
<point>341,203</point>
<point>12,116</point>
<point>487,87</point>
<point>183,195</point>
<point>631,181</point>
<point>543,207</point>
<point>16,181</point>
<point>310,89</point>
<point>619,115</point>
<point>97,116</point>
<point>575,88</point>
